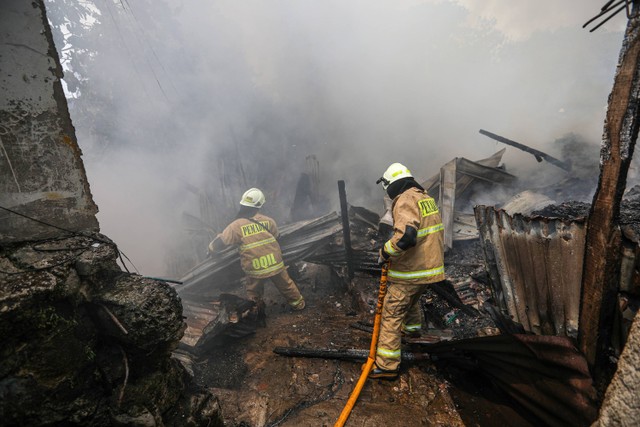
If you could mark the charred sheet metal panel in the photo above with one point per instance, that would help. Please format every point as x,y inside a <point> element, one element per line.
<point>464,226</point>
<point>535,265</point>
<point>448,200</point>
<point>297,241</point>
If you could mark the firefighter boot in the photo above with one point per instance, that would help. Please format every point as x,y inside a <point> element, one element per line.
<point>383,374</point>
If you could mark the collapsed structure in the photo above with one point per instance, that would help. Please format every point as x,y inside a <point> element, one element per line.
<point>532,251</point>
<point>92,344</point>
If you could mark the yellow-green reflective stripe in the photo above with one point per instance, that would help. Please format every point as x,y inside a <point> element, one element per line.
<point>416,274</point>
<point>256,244</point>
<point>267,270</point>
<point>399,172</point>
<point>430,230</point>
<point>296,302</point>
<point>390,354</point>
<point>412,328</point>
<point>388,247</point>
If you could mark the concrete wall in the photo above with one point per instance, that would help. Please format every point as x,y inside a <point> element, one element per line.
<point>41,170</point>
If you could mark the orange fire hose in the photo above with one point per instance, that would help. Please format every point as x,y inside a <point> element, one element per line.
<point>372,350</point>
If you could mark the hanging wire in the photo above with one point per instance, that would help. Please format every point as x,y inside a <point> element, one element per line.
<point>138,28</point>
<point>72,233</point>
<point>612,7</point>
<point>126,47</point>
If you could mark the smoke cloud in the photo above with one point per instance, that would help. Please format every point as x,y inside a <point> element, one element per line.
<point>187,104</point>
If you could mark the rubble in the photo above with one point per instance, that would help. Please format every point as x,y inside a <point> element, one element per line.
<point>329,328</point>
<point>526,202</point>
<point>209,323</point>
<point>87,344</point>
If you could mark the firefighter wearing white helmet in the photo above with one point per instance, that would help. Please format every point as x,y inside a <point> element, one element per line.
<point>415,253</point>
<point>393,173</point>
<point>260,255</point>
<point>253,197</point>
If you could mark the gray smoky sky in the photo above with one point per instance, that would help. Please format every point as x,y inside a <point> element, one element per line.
<point>210,98</point>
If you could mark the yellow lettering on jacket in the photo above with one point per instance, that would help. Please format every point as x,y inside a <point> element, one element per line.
<point>427,207</point>
<point>250,229</point>
<point>263,262</point>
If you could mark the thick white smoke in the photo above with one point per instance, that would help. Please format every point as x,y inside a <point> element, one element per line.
<point>222,95</point>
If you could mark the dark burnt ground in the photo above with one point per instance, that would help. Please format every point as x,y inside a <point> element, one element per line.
<point>257,387</point>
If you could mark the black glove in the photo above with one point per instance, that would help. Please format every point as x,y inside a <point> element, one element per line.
<point>382,257</point>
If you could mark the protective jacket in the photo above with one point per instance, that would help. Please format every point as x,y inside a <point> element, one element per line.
<point>260,254</point>
<point>416,248</point>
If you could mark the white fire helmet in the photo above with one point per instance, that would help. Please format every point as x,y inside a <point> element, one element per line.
<point>253,197</point>
<point>393,173</point>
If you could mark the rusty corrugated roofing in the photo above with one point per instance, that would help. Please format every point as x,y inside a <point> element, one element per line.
<point>535,265</point>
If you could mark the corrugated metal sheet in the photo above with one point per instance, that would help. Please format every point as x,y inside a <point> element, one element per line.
<point>297,241</point>
<point>535,265</point>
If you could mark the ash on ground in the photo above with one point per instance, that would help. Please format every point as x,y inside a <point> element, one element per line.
<point>455,309</point>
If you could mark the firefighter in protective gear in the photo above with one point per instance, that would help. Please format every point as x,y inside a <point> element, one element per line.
<point>260,255</point>
<point>415,253</point>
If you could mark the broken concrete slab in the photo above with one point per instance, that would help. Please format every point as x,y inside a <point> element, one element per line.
<point>89,348</point>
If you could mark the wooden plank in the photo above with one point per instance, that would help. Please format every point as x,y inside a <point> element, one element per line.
<point>602,257</point>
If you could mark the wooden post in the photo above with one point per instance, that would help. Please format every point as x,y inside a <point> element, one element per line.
<point>601,270</point>
<point>346,231</point>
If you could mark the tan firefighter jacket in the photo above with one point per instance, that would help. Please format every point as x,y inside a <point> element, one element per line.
<point>424,262</point>
<point>260,254</point>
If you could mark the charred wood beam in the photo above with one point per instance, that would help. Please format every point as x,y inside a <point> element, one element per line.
<point>539,155</point>
<point>601,270</point>
<point>360,260</point>
<point>346,354</point>
<point>346,230</point>
<point>446,291</point>
<point>430,338</point>
<point>361,327</point>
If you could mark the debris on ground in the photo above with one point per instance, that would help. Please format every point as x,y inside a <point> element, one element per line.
<point>85,343</point>
<point>300,368</point>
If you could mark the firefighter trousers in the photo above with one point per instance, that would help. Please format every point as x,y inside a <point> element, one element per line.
<point>401,312</point>
<point>282,281</point>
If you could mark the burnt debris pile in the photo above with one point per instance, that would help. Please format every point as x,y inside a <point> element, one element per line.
<point>85,343</point>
